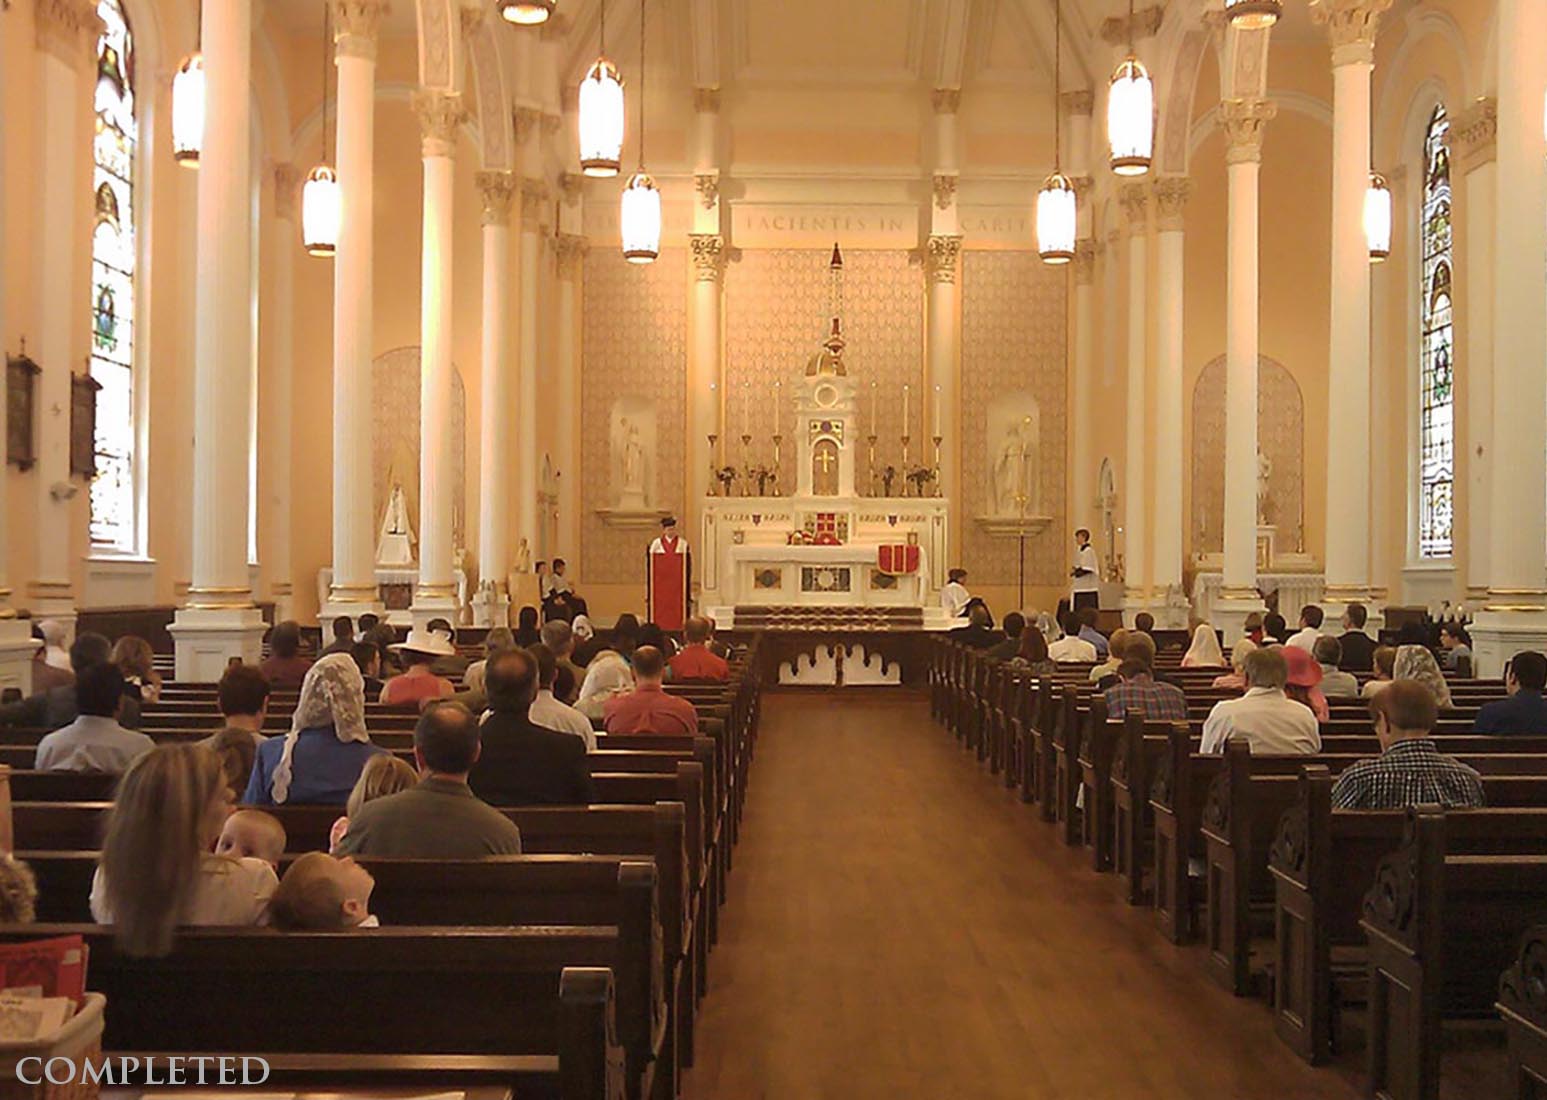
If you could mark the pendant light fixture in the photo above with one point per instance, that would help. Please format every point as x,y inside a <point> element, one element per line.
<point>640,217</point>
<point>1377,218</point>
<point>1056,208</point>
<point>526,13</point>
<point>601,112</point>
<point>320,196</point>
<point>1131,113</point>
<point>1253,15</point>
<point>188,106</point>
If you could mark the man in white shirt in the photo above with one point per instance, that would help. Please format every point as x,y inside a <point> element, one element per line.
<point>1071,648</point>
<point>1265,718</point>
<point>94,742</point>
<point>1310,629</point>
<point>954,596</point>
<point>1085,591</point>
<point>547,711</point>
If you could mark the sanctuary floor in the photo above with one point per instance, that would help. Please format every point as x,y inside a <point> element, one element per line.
<point>899,926</point>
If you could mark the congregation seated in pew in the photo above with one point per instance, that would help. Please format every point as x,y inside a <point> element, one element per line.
<point>95,741</point>
<point>322,893</point>
<point>1410,771</point>
<point>607,674</point>
<point>252,834</point>
<point>243,698</point>
<point>1384,661</point>
<point>1304,682</point>
<point>419,683</point>
<point>320,759</point>
<point>521,762</point>
<point>1235,679</point>
<point>382,775</point>
<point>1013,627</point>
<point>18,891</point>
<point>1104,675</point>
<point>1071,648</point>
<point>1204,652</point>
<point>1335,683</point>
<point>648,708</point>
<point>1358,648</point>
<point>1031,652</point>
<point>158,870</point>
<point>286,665</point>
<point>548,710</point>
<point>55,707</point>
<point>237,753</point>
<point>979,632</point>
<point>1265,717</point>
<point>1137,691</point>
<point>368,658</point>
<point>440,817</point>
<point>695,661</point>
<point>1311,618</point>
<point>1525,709</point>
<point>1416,662</point>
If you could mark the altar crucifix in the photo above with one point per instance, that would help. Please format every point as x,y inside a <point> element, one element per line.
<point>824,475</point>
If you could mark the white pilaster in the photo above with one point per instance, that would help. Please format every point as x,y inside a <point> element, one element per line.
<point>942,353</point>
<point>1171,604</point>
<point>491,606</point>
<point>276,484</point>
<point>353,591</point>
<point>569,251</point>
<point>220,621</point>
<point>1083,510</point>
<point>1136,595</point>
<point>440,113</point>
<point>1515,617</point>
<point>534,196</point>
<point>704,364</point>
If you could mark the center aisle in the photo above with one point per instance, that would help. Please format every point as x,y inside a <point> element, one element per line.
<point>900,926</point>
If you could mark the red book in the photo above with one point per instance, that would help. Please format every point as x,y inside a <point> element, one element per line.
<point>45,968</point>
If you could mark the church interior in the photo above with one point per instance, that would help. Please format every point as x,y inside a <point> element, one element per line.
<point>951,404</point>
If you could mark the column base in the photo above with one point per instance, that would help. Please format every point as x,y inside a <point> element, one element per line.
<point>1499,635</point>
<point>1229,612</point>
<point>1171,608</point>
<point>16,649</point>
<point>491,609</point>
<point>205,640</point>
<point>352,608</point>
<point>429,606</point>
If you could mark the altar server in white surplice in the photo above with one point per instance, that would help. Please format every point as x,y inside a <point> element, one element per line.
<point>954,596</point>
<point>1086,573</point>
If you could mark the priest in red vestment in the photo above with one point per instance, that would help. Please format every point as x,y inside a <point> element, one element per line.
<point>670,569</point>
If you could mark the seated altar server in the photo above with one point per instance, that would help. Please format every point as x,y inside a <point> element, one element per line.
<point>954,596</point>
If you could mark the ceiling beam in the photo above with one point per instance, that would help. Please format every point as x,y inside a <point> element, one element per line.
<point>704,40</point>
<point>953,43</point>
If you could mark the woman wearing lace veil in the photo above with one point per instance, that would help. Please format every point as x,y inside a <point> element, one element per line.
<point>319,760</point>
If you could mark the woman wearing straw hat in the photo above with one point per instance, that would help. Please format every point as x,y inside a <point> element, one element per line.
<point>419,683</point>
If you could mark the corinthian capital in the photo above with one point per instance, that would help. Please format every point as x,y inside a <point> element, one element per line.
<point>1351,26</point>
<point>1245,122</point>
<point>440,113</point>
<point>355,23</point>
<point>1474,132</point>
<point>534,199</point>
<point>497,190</point>
<point>708,256</point>
<point>1171,200</point>
<point>568,250</point>
<point>524,122</point>
<point>943,257</point>
<point>1135,200</point>
<point>1084,261</point>
<point>66,28</point>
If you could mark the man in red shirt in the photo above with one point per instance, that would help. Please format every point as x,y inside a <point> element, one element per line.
<point>648,709</point>
<point>696,662</point>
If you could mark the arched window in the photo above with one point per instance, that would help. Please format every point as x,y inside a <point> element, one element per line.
<point>1436,389</point>
<point>113,256</point>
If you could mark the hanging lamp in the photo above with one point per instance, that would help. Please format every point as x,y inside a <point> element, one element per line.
<point>526,13</point>
<point>1253,15</point>
<point>188,106</point>
<point>1056,206</point>
<point>640,216</point>
<point>1131,113</point>
<point>601,112</point>
<point>320,197</point>
<point>1377,218</point>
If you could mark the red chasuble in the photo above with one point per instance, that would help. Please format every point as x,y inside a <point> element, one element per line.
<point>667,580</point>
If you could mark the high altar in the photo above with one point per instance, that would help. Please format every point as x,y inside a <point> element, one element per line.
<point>826,545</point>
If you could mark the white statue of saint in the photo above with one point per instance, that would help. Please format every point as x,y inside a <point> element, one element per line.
<point>395,546</point>
<point>1012,471</point>
<point>633,459</point>
<point>1264,472</point>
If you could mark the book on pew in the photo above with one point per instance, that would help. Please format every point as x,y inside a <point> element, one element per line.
<point>45,968</point>
<point>26,1019</point>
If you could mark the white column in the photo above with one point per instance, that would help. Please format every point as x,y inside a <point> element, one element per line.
<point>1082,508</point>
<point>704,364</point>
<point>1244,122</point>
<point>1171,604</point>
<point>1472,135</point>
<point>220,621</point>
<point>941,407</point>
<point>491,606</point>
<point>569,251</point>
<point>1351,26</point>
<point>534,197</point>
<point>1136,595</point>
<point>1515,618</point>
<point>66,31</point>
<point>276,484</point>
<point>440,113</point>
<point>354,590</point>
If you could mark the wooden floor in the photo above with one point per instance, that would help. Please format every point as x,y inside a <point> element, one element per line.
<point>899,926</point>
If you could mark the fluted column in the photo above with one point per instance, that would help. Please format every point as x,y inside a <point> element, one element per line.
<point>1135,201</point>
<point>1351,26</point>
<point>16,644</point>
<point>1514,617</point>
<point>569,256</point>
<point>534,196</point>
<point>703,383</point>
<point>1083,510</point>
<point>440,113</point>
<point>492,605</point>
<point>220,621</point>
<point>354,590</point>
<point>1171,606</point>
<point>940,411</point>
<point>278,393</point>
<point>66,31</point>
<point>1244,122</point>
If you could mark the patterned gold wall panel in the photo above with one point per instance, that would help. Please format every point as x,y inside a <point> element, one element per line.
<point>635,346</point>
<point>1013,339</point>
<point>776,317</point>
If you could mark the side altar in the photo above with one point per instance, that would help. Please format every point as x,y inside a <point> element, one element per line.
<point>824,545</point>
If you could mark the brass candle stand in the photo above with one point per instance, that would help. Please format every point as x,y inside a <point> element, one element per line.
<point>938,440</point>
<point>871,439</point>
<point>778,464</point>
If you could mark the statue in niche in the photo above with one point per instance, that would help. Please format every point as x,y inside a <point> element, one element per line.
<point>632,440</point>
<point>1014,469</point>
<point>395,545</point>
<point>1264,475</point>
<point>633,459</point>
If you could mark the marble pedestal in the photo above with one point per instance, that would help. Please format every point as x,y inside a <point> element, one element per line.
<point>17,647</point>
<point>1228,615</point>
<point>1499,635</point>
<point>491,609</point>
<point>205,639</point>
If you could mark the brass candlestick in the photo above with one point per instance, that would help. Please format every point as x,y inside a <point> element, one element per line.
<point>746,462</point>
<point>714,464</point>
<point>778,464</point>
<point>905,455</point>
<point>871,439</point>
<point>938,440</point>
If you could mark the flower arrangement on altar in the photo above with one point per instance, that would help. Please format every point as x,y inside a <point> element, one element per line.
<point>800,537</point>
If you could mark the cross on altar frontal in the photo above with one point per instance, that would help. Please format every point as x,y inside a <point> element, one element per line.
<point>825,545</point>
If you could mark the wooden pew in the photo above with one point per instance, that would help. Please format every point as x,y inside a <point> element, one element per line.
<point>1440,928</point>
<point>1522,1005</point>
<point>530,1006</point>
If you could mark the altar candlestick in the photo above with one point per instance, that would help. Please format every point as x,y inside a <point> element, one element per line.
<point>874,387</point>
<point>778,386</point>
<point>746,405</point>
<point>905,396</point>
<point>937,410</point>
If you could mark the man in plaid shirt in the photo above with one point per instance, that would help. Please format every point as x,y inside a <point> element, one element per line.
<point>1410,771</point>
<point>1137,692</point>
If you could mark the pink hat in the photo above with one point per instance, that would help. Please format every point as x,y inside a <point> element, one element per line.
<point>1303,670</point>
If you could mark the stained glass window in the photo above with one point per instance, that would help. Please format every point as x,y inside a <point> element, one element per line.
<point>113,259</point>
<point>1436,375</point>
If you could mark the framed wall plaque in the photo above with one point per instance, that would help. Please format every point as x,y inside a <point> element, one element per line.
<point>83,425</point>
<point>21,398</point>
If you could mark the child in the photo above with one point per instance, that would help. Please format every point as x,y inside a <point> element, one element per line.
<point>252,833</point>
<point>382,775</point>
<point>323,894</point>
<point>18,891</point>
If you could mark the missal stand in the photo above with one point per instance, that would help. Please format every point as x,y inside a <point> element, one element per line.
<point>667,576</point>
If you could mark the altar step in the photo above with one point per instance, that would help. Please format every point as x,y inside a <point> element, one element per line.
<point>794,618</point>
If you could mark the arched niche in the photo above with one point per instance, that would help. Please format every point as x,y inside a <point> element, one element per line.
<point>395,440</point>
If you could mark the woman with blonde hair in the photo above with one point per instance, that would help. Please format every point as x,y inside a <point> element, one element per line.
<point>1204,651</point>
<point>382,775</point>
<point>1235,679</point>
<point>157,870</point>
<point>137,661</point>
<point>320,759</point>
<point>1415,662</point>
